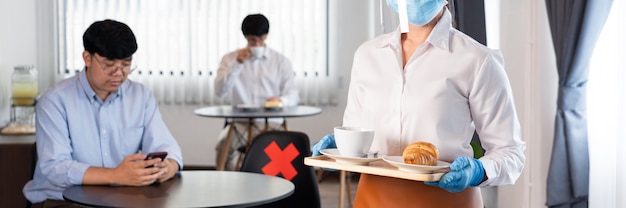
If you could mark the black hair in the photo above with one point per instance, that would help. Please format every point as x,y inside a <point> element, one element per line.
<point>255,24</point>
<point>110,39</point>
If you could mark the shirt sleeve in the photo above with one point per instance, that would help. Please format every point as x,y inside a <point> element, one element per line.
<point>157,136</point>
<point>54,149</point>
<point>495,118</point>
<point>227,73</point>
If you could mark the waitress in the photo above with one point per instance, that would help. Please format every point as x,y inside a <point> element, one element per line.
<point>427,81</point>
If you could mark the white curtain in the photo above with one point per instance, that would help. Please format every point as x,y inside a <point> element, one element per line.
<point>607,113</point>
<point>182,41</point>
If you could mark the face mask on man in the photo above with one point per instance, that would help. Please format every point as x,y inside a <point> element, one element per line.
<point>419,12</point>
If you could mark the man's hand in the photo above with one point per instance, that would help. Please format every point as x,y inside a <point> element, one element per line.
<point>274,98</point>
<point>243,54</point>
<point>168,168</point>
<point>134,171</point>
<point>131,171</point>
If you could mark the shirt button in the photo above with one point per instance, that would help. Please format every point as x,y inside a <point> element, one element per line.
<point>106,154</point>
<point>104,131</point>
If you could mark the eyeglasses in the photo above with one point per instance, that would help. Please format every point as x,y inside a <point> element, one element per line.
<point>110,69</point>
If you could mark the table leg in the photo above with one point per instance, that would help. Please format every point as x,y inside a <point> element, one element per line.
<point>320,174</point>
<point>285,124</point>
<point>250,126</point>
<point>342,188</point>
<point>348,189</point>
<point>221,164</point>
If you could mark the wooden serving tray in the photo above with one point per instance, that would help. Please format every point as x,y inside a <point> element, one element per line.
<point>378,167</point>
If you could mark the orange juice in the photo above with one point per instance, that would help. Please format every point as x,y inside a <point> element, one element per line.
<point>24,85</point>
<point>23,93</point>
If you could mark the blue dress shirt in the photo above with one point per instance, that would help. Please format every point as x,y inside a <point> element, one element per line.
<point>76,129</point>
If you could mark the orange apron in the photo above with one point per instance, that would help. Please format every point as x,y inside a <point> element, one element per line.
<point>380,191</point>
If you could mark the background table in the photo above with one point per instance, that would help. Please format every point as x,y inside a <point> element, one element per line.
<point>226,111</point>
<point>188,189</point>
<point>229,112</point>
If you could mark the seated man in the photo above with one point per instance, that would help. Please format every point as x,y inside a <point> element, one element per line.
<point>255,74</point>
<point>96,127</point>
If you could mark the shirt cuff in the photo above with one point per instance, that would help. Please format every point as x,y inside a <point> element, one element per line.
<point>76,172</point>
<point>490,171</point>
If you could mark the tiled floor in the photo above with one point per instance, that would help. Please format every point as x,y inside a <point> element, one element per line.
<point>329,189</point>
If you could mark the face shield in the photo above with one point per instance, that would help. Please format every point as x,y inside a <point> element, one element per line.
<point>417,12</point>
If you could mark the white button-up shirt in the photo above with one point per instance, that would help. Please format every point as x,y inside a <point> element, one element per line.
<point>451,86</point>
<point>76,130</point>
<point>257,79</point>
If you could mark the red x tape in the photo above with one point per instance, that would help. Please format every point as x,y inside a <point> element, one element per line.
<point>280,160</point>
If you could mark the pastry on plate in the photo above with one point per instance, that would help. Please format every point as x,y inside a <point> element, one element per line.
<point>421,153</point>
<point>274,104</point>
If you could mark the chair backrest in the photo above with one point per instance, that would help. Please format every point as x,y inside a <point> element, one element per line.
<point>282,153</point>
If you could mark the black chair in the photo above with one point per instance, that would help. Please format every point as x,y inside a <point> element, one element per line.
<point>282,153</point>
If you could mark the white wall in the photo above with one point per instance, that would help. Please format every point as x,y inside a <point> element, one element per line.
<point>528,52</point>
<point>17,44</point>
<point>525,44</point>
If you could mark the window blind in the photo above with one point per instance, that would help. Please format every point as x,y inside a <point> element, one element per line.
<point>181,42</point>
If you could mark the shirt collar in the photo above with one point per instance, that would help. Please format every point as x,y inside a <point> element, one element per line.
<point>439,36</point>
<point>91,95</point>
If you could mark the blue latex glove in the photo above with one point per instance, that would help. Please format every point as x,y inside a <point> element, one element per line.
<point>464,172</point>
<point>326,142</point>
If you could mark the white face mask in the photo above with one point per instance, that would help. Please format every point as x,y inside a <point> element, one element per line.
<point>257,51</point>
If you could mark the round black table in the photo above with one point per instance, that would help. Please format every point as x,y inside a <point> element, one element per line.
<point>226,111</point>
<point>188,189</point>
<point>229,112</point>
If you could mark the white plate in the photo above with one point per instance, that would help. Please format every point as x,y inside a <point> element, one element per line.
<point>334,153</point>
<point>399,163</point>
<point>248,107</point>
<point>273,109</point>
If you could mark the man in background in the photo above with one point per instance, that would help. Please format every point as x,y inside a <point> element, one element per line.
<point>253,75</point>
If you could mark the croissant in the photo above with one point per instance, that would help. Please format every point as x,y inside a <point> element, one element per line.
<point>273,104</point>
<point>421,153</point>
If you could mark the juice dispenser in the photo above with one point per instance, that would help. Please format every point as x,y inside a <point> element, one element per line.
<point>24,86</point>
<point>23,97</point>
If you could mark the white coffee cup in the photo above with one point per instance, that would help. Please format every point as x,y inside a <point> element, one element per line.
<point>353,141</point>
<point>257,51</point>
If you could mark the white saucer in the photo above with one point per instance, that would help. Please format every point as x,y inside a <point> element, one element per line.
<point>334,154</point>
<point>248,107</point>
<point>411,168</point>
<point>273,109</point>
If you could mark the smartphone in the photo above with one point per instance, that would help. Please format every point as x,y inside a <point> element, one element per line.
<point>153,155</point>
